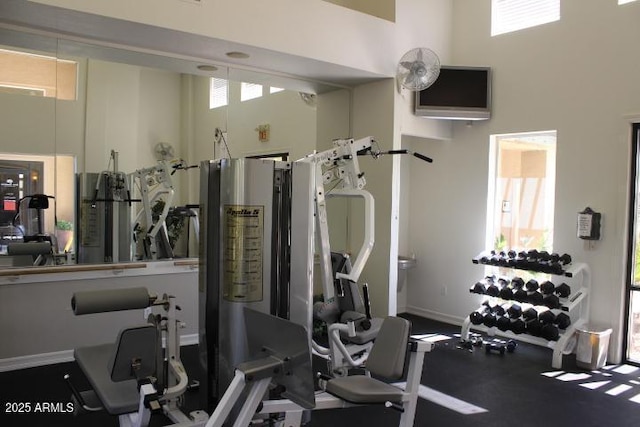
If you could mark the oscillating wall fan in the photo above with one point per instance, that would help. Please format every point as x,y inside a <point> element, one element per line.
<point>418,69</point>
<point>163,151</point>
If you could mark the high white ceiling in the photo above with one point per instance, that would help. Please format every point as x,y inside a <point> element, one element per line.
<point>119,40</point>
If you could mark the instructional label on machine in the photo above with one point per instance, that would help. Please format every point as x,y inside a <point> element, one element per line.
<point>243,246</point>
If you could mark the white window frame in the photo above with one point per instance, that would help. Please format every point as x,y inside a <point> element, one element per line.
<point>512,15</point>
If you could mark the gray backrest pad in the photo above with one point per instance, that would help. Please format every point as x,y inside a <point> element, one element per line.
<point>387,356</point>
<point>139,343</point>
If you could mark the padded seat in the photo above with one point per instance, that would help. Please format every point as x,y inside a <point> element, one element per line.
<point>385,360</point>
<point>112,368</point>
<point>363,389</point>
<point>116,397</point>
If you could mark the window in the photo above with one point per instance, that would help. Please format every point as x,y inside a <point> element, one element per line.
<point>632,342</point>
<point>37,75</point>
<point>514,15</point>
<point>250,91</point>
<point>625,1</point>
<point>275,89</point>
<point>218,93</point>
<point>522,191</point>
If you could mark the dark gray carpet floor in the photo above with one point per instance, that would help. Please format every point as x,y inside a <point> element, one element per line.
<point>511,388</point>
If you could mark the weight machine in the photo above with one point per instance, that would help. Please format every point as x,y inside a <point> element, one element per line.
<point>262,223</point>
<point>134,376</point>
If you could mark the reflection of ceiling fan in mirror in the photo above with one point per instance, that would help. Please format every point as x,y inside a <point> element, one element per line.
<point>418,69</point>
<point>164,151</point>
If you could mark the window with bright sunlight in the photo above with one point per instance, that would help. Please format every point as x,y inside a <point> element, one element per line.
<point>218,93</point>
<point>37,75</point>
<point>513,15</point>
<point>521,200</point>
<point>250,91</point>
<point>626,1</point>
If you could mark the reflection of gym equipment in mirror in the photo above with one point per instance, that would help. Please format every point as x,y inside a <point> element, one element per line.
<point>39,245</point>
<point>108,233</point>
<point>99,70</point>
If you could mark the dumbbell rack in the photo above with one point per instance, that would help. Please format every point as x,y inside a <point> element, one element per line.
<point>576,305</point>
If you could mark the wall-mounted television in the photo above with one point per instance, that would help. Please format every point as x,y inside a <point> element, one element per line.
<point>459,93</point>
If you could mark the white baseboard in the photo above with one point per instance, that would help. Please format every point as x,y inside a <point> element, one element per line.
<point>33,360</point>
<point>435,315</point>
<point>43,359</point>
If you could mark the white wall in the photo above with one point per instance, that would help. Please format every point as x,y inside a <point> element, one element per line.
<point>37,319</point>
<point>578,76</point>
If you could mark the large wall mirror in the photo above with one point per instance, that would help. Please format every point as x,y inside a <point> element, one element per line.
<point>97,142</point>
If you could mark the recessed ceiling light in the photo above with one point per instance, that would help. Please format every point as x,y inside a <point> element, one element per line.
<point>207,68</point>
<point>237,55</point>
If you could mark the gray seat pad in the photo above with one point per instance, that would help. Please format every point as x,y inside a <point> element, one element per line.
<point>363,389</point>
<point>117,398</point>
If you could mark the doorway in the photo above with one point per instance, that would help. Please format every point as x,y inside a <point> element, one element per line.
<point>632,336</point>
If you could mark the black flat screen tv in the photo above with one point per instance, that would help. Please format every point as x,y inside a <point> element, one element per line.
<point>459,93</point>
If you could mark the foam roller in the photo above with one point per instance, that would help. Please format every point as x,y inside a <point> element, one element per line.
<point>87,302</point>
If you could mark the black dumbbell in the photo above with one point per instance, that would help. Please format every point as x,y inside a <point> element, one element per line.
<point>532,285</point>
<point>503,323</point>
<point>493,290</point>
<point>493,347</point>
<point>499,310</point>
<point>514,311</point>
<point>521,260</point>
<point>551,301</point>
<point>546,317</point>
<point>530,314</point>
<point>563,290</point>
<point>550,332</point>
<point>563,321</point>
<point>520,295</point>
<point>478,288</point>
<point>511,346</point>
<point>476,318</point>
<point>547,287</point>
<point>517,326</point>
<point>489,320</point>
<point>535,298</point>
<point>534,328</point>
<point>565,259</point>
<point>517,283</point>
<point>544,256</point>
<point>506,293</point>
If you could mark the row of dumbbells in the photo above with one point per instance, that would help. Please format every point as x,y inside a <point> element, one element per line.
<point>536,321</point>
<point>532,292</point>
<point>533,260</point>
